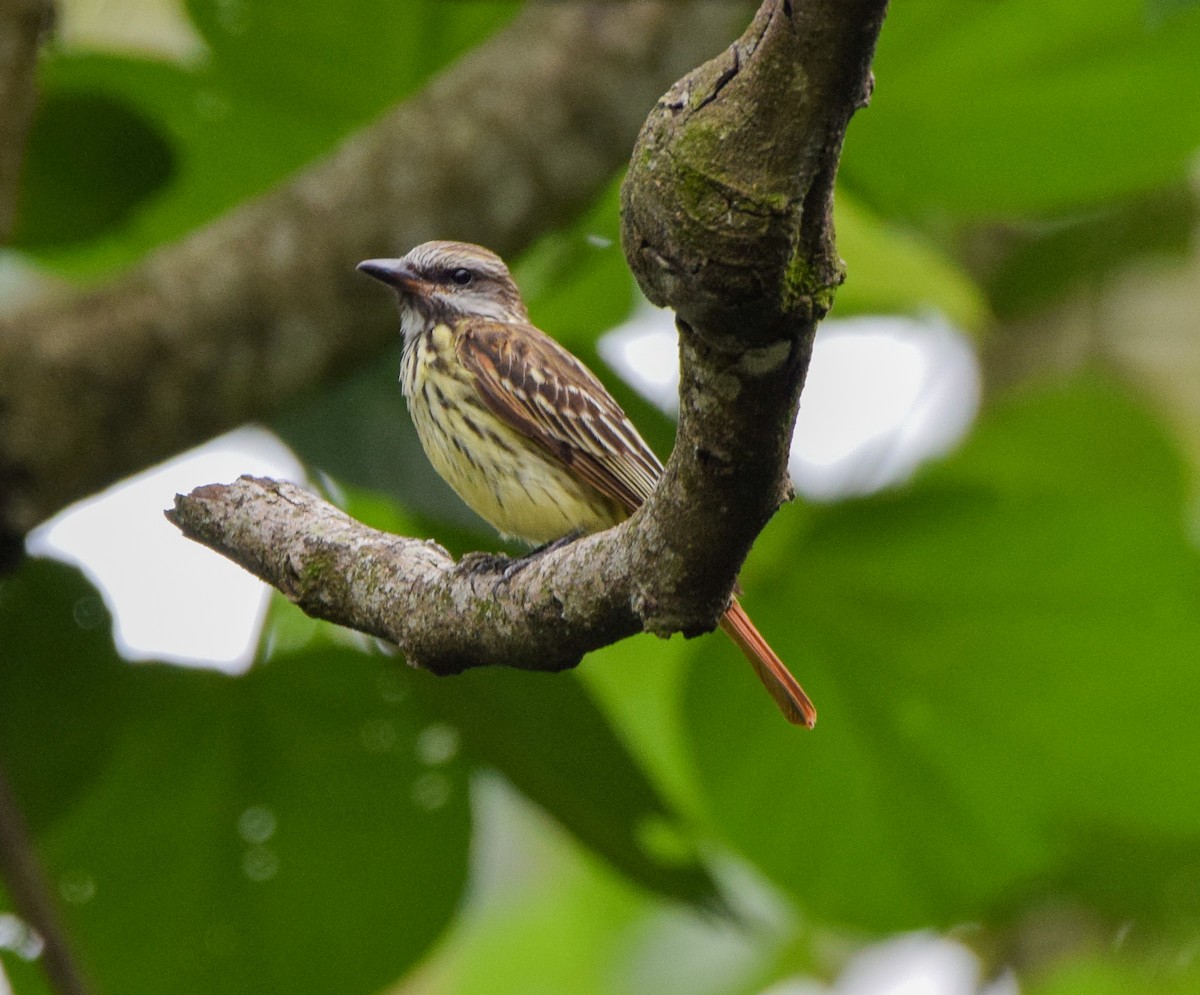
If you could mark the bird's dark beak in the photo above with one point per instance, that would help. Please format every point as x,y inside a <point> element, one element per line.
<point>394,272</point>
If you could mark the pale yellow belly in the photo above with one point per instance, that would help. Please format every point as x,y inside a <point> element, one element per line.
<point>509,481</point>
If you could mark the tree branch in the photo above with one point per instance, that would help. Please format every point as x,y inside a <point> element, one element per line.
<point>727,218</point>
<point>23,25</point>
<point>447,617</point>
<point>727,206</point>
<point>264,304</point>
<point>31,894</point>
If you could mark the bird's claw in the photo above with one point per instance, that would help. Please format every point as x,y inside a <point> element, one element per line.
<point>507,567</point>
<point>486,563</point>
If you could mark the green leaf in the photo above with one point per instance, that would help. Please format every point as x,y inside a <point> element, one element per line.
<point>585,919</point>
<point>124,156</point>
<point>269,96</point>
<point>1044,264</point>
<point>544,733</point>
<point>1172,973</point>
<point>998,110</point>
<point>1003,657</point>
<point>281,831</point>
<point>639,684</point>
<point>890,269</point>
<point>1151,878</point>
<point>1161,10</point>
<point>55,629</point>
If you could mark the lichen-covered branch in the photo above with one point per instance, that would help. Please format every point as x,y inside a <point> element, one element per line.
<point>727,206</point>
<point>263,305</point>
<point>542,614</point>
<point>727,219</point>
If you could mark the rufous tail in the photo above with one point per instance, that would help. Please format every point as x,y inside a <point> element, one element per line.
<point>776,678</point>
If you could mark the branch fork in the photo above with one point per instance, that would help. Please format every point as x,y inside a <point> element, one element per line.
<point>727,218</point>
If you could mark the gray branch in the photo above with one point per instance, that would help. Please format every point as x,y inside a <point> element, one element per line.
<point>727,219</point>
<point>447,617</point>
<point>264,304</point>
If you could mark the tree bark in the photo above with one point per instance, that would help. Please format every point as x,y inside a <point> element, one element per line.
<point>727,218</point>
<point>447,617</point>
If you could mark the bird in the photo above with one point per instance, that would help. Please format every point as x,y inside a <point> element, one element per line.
<point>523,432</point>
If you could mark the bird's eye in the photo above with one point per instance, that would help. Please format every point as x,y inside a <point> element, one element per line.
<point>461,277</point>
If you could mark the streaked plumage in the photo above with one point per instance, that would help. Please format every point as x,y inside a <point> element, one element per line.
<point>458,382</point>
<point>521,430</point>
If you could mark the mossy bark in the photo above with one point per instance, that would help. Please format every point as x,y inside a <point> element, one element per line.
<point>727,207</point>
<point>727,217</point>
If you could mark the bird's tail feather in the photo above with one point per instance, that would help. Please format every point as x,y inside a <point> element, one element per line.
<point>776,678</point>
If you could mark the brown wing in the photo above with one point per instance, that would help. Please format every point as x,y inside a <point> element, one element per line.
<point>533,384</point>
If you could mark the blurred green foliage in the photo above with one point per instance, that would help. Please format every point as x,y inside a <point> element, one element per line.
<point>1025,108</point>
<point>1004,652</point>
<point>276,85</point>
<point>243,830</point>
<point>124,158</point>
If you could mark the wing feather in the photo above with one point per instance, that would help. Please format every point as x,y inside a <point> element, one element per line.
<point>537,387</point>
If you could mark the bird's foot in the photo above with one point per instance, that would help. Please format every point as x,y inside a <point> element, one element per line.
<point>532,557</point>
<point>486,563</point>
<point>499,563</point>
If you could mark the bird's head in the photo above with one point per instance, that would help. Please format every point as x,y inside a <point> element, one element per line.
<point>444,281</point>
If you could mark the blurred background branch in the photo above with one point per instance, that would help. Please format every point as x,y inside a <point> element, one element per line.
<point>24,24</point>
<point>26,881</point>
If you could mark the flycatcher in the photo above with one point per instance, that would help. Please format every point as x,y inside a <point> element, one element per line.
<point>521,430</point>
